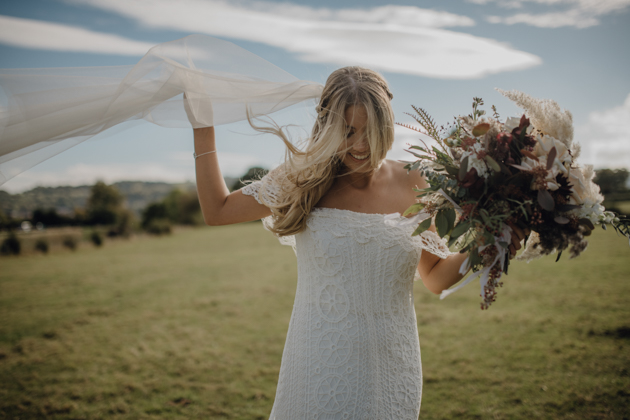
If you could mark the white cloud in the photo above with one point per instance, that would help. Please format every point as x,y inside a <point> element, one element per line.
<point>28,33</point>
<point>605,138</point>
<point>400,15</point>
<point>399,39</point>
<point>576,13</point>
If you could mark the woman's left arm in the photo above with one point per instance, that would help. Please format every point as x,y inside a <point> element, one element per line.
<point>441,273</point>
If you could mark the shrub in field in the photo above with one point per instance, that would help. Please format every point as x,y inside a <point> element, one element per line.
<point>11,245</point>
<point>70,243</point>
<point>41,245</point>
<point>96,238</point>
<point>158,227</point>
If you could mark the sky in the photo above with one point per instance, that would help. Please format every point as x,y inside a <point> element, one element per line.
<point>437,55</point>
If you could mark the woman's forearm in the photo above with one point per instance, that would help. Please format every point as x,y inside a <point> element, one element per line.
<point>211,187</point>
<point>439,274</point>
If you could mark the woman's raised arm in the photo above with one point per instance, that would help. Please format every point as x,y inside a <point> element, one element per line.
<point>218,205</point>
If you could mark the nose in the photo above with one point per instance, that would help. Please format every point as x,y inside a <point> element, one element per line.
<point>361,145</point>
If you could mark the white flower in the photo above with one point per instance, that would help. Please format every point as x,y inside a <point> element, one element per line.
<point>545,115</point>
<point>475,162</point>
<point>585,193</point>
<point>511,123</point>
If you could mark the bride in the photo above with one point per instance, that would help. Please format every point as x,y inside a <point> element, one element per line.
<point>352,349</point>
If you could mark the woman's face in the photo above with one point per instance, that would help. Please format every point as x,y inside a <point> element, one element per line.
<point>356,147</point>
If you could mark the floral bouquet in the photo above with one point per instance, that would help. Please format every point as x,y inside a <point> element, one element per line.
<point>485,175</point>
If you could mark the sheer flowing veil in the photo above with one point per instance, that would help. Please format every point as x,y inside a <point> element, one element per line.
<point>46,111</point>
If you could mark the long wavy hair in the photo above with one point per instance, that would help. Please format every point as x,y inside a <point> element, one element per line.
<point>309,172</point>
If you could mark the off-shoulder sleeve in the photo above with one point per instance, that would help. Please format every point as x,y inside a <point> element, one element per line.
<point>429,241</point>
<point>267,191</point>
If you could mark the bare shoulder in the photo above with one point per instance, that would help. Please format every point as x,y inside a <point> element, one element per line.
<point>413,178</point>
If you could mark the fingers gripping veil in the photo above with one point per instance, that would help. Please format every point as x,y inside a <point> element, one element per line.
<point>46,111</point>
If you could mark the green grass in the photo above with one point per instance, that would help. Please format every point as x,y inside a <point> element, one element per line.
<point>193,325</point>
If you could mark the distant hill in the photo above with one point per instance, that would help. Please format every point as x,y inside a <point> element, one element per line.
<point>65,199</point>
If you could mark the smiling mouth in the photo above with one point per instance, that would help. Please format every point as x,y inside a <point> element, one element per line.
<point>360,158</point>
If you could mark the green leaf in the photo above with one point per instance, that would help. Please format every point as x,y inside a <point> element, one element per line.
<point>459,230</point>
<point>480,129</point>
<point>492,164</point>
<point>452,170</point>
<point>450,218</point>
<point>422,227</point>
<point>414,209</point>
<point>485,216</point>
<point>463,168</point>
<point>441,223</point>
<point>475,259</point>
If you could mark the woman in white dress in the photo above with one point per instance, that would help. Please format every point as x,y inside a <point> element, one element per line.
<point>352,349</point>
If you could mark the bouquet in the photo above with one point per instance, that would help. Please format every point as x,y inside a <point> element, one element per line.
<point>486,175</point>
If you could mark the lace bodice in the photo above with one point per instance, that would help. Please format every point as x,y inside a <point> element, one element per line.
<point>352,349</point>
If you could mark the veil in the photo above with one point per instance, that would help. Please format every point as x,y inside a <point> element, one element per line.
<point>46,111</point>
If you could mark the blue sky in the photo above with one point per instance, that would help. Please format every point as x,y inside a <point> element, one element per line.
<point>435,54</point>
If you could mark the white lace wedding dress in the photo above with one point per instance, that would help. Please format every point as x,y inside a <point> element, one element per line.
<point>352,349</point>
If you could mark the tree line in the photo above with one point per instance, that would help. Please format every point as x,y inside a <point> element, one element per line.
<point>105,211</point>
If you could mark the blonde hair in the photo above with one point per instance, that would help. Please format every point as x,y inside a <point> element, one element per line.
<point>308,174</point>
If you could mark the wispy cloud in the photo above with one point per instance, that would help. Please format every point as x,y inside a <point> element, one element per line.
<point>399,39</point>
<point>566,13</point>
<point>28,33</point>
<point>605,138</point>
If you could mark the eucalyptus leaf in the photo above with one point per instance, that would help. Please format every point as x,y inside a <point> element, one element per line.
<point>450,217</point>
<point>480,129</point>
<point>441,223</point>
<point>451,170</point>
<point>414,209</point>
<point>422,227</point>
<point>459,230</point>
<point>463,168</point>
<point>492,163</point>
<point>561,220</point>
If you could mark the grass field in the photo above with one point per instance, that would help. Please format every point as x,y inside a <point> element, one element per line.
<point>192,326</point>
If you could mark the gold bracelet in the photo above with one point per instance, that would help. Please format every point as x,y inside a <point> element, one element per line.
<point>195,155</point>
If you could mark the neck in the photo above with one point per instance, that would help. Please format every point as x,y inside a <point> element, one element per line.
<point>358,180</point>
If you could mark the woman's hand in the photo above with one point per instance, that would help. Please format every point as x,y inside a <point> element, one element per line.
<point>203,115</point>
<point>518,235</point>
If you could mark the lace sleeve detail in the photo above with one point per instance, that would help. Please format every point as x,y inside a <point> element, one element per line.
<point>252,190</point>
<point>267,190</point>
<point>429,241</point>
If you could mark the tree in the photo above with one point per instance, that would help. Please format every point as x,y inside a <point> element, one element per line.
<point>612,181</point>
<point>253,174</point>
<point>182,207</point>
<point>50,217</point>
<point>104,204</point>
